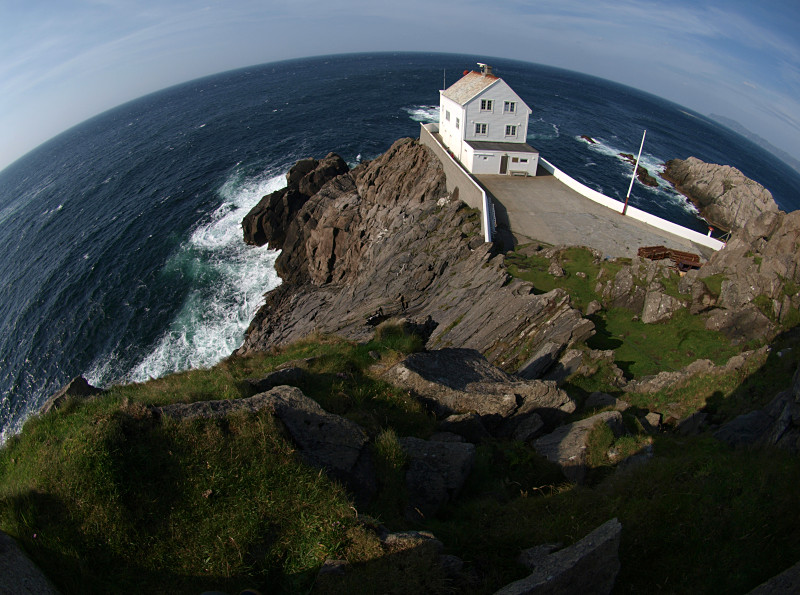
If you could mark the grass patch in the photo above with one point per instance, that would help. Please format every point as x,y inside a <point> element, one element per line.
<point>714,283</point>
<point>644,349</point>
<point>109,499</point>
<point>578,264</point>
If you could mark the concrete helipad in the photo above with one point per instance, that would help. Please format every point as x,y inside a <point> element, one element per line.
<point>543,209</point>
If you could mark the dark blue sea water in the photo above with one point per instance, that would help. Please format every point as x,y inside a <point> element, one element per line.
<point>120,243</point>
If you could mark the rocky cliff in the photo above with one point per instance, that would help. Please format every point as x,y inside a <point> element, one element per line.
<point>725,196</point>
<point>386,239</point>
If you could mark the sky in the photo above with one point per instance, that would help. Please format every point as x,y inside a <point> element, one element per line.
<point>63,61</point>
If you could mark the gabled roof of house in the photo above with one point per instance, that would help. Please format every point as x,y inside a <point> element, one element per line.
<point>468,86</point>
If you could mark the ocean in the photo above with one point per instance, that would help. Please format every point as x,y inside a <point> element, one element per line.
<point>121,256</point>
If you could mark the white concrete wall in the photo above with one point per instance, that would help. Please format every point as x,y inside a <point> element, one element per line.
<point>469,190</point>
<point>488,162</point>
<point>632,212</point>
<point>496,120</point>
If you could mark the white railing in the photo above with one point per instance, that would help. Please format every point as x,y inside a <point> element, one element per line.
<point>632,212</point>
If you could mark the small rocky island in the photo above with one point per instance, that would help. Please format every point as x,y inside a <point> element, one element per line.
<point>641,172</point>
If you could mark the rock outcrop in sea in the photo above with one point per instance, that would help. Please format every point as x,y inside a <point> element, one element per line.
<point>727,199</point>
<point>386,240</point>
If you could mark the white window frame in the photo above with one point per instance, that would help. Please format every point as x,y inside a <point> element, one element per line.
<point>487,105</point>
<point>510,107</point>
<point>511,130</point>
<point>481,129</point>
<point>458,122</point>
<point>447,115</point>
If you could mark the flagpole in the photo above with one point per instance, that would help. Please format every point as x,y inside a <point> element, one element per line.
<point>633,177</point>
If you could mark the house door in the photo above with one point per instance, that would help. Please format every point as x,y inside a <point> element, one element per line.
<point>504,164</point>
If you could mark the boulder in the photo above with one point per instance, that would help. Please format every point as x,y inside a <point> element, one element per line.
<point>436,472</point>
<point>528,428</point>
<point>18,575</point>
<point>593,308</point>
<point>541,361</point>
<point>741,325</point>
<point>744,430</point>
<point>567,445</point>
<point>453,381</point>
<point>651,422</point>
<point>659,306</point>
<point>77,388</point>
<point>588,567</point>
<point>567,365</point>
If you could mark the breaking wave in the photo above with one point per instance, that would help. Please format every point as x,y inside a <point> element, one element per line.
<point>423,113</point>
<point>227,278</point>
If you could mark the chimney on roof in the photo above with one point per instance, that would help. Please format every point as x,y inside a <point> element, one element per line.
<point>485,68</point>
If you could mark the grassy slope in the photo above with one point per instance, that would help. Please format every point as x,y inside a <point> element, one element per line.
<point>108,499</point>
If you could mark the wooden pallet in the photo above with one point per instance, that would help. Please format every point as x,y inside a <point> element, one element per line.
<point>682,260</point>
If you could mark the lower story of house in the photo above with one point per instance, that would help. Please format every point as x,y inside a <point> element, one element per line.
<point>489,157</point>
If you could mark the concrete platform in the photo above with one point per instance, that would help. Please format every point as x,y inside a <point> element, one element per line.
<point>543,209</point>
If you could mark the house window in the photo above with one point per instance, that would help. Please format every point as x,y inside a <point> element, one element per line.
<point>486,105</point>
<point>480,128</point>
<point>515,160</point>
<point>447,115</point>
<point>523,161</point>
<point>458,122</point>
<point>511,130</point>
<point>509,107</point>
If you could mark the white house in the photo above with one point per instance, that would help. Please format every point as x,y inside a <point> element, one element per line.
<point>484,124</point>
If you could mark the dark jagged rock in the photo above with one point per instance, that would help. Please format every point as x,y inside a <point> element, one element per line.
<point>268,220</point>
<point>387,240</point>
<point>77,388</point>
<point>726,198</point>
<point>462,381</point>
<point>589,567</point>
<point>641,172</point>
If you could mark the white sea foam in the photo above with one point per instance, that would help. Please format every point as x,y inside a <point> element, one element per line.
<point>650,162</point>
<point>228,280</point>
<point>423,113</point>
